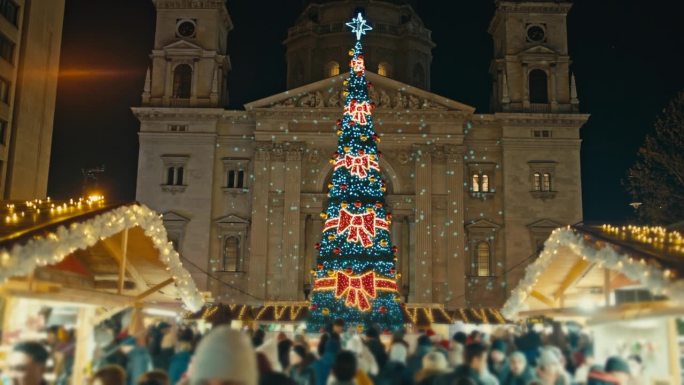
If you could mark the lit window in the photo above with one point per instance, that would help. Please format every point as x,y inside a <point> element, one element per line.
<point>546,182</point>
<point>231,254</point>
<point>333,69</point>
<point>476,183</point>
<point>483,269</point>
<point>485,183</point>
<point>383,69</point>
<point>537,181</point>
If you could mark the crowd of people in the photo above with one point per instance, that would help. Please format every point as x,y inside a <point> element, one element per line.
<point>166,356</point>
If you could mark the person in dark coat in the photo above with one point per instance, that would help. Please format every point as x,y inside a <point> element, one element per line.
<point>415,361</point>
<point>498,363</point>
<point>475,363</point>
<point>376,347</point>
<point>395,371</point>
<point>520,373</point>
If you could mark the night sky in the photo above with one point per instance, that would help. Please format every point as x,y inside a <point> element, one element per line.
<point>628,59</point>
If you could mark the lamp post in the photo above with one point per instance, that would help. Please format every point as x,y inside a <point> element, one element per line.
<point>307,291</point>
<point>405,292</point>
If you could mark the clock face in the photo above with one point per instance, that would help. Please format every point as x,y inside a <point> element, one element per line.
<point>535,34</point>
<point>186,29</point>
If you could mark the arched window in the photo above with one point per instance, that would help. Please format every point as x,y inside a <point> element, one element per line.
<point>383,69</point>
<point>179,176</point>
<point>231,254</point>
<point>485,183</point>
<point>418,75</point>
<point>482,261</point>
<point>476,183</point>
<point>333,69</point>
<point>182,81</point>
<point>546,182</point>
<point>539,92</point>
<point>537,181</point>
<point>170,175</point>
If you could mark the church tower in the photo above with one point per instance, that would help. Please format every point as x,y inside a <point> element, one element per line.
<point>530,68</point>
<point>189,60</point>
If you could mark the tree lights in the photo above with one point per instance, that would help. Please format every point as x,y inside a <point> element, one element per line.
<point>355,276</point>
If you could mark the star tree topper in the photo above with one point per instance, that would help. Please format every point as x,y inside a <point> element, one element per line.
<point>358,26</point>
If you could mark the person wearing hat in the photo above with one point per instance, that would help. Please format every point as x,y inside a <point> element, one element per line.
<point>395,371</point>
<point>224,356</point>
<point>423,347</point>
<point>138,360</point>
<point>434,364</point>
<point>498,363</point>
<point>619,369</point>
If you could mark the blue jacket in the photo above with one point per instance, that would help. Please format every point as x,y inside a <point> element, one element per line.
<point>138,362</point>
<point>179,365</point>
<point>323,366</point>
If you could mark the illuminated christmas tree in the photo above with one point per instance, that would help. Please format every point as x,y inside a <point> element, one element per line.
<point>355,276</point>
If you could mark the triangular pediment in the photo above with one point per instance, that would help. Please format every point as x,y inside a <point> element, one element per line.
<point>482,224</point>
<point>544,224</point>
<point>172,216</point>
<point>538,50</point>
<point>232,219</point>
<point>182,45</point>
<point>388,94</point>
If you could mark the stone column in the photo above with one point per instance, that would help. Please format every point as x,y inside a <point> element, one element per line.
<point>554,87</point>
<point>302,268</point>
<point>291,219</point>
<point>423,216</point>
<point>456,258</point>
<point>168,88</point>
<point>259,232</point>
<point>525,87</point>
<point>195,80</point>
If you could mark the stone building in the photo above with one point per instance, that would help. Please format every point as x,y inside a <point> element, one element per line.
<point>30,43</point>
<point>472,195</point>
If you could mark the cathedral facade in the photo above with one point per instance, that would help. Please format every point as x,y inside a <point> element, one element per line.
<point>472,196</point>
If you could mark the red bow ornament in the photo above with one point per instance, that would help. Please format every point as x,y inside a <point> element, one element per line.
<point>358,111</point>
<point>357,289</point>
<point>358,165</point>
<point>357,65</point>
<point>359,227</point>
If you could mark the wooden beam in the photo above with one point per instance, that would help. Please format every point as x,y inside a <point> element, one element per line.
<point>544,299</point>
<point>115,249</point>
<point>576,272</point>
<point>123,261</point>
<point>108,313</point>
<point>606,286</point>
<point>153,289</point>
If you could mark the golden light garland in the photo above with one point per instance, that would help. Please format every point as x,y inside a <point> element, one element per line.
<point>655,236</point>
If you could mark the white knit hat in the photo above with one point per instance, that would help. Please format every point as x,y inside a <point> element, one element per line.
<point>224,354</point>
<point>398,352</point>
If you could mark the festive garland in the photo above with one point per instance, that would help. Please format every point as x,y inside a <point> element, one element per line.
<point>23,259</point>
<point>657,279</point>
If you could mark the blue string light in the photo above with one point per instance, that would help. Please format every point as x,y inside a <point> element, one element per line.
<point>357,193</point>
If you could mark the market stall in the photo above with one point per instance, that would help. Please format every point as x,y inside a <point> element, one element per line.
<point>625,283</point>
<point>87,255</point>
